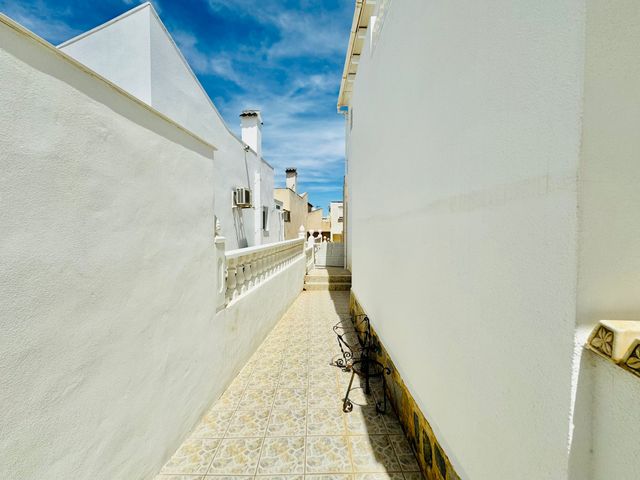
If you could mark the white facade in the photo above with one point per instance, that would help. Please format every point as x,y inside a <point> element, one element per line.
<point>336,217</point>
<point>498,141</point>
<point>136,52</point>
<point>113,346</point>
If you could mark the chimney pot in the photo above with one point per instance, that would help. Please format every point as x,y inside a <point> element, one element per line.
<point>292,178</point>
<point>251,123</point>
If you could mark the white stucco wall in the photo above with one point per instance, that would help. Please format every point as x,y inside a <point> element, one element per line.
<point>176,92</point>
<point>615,422</point>
<point>497,141</point>
<point>336,211</point>
<point>609,245</point>
<point>465,145</point>
<point>111,347</point>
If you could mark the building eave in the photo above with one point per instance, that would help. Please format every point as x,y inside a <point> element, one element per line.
<point>357,40</point>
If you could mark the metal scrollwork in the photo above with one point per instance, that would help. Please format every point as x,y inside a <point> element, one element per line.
<point>357,353</point>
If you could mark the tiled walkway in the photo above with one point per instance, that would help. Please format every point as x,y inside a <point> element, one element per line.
<point>282,418</point>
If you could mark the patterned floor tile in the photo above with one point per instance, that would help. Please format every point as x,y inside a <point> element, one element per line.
<point>406,457</point>
<point>286,422</point>
<point>213,425</point>
<point>324,397</point>
<point>330,476</point>
<point>373,454</point>
<point>257,398</point>
<point>328,455</point>
<point>293,398</point>
<point>294,379</point>
<point>379,476</point>
<point>236,456</point>
<point>194,456</point>
<point>392,423</point>
<point>413,476</point>
<point>248,423</point>
<point>228,477</point>
<point>260,380</point>
<point>325,421</point>
<point>359,398</point>
<point>365,421</point>
<point>282,455</point>
<point>279,477</point>
<point>179,477</point>
<point>281,418</point>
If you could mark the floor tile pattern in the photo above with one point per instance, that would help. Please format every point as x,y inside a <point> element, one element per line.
<point>281,418</point>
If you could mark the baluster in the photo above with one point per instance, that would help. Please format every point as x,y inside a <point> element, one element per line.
<point>242,287</point>
<point>248,271</point>
<point>261,265</point>
<point>272,262</point>
<point>231,292</point>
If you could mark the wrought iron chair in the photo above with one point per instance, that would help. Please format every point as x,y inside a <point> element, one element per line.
<point>358,349</point>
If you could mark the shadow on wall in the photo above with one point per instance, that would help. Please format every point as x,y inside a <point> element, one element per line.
<point>238,224</point>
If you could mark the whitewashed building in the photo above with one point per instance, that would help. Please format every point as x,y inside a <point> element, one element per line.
<point>125,311</point>
<point>136,52</point>
<point>336,217</point>
<point>497,142</point>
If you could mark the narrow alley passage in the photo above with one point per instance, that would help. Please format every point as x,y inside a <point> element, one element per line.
<point>282,414</point>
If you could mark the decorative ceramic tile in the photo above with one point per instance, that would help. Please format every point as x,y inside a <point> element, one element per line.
<point>373,454</point>
<point>325,421</point>
<point>328,455</point>
<point>257,398</point>
<point>236,456</point>
<point>365,421</point>
<point>248,423</point>
<point>404,452</point>
<point>286,422</point>
<point>293,398</point>
<point>194,456</point>
<point>631,360</point>
<point>213,425</point>
<point>282,455</point>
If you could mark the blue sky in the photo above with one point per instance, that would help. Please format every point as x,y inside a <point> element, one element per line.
<point>284,57</point>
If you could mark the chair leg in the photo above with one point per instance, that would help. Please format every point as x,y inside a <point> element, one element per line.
<point>347,406</point>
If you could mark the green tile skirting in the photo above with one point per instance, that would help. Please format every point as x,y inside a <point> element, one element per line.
<point>433,460</point>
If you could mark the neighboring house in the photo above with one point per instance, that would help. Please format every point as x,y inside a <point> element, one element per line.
<point>136,52</point>
<point>318,225</point>
<point>279,220</point>
<point>493,164</point>
<point>336,220</point>
<point>295,206</point>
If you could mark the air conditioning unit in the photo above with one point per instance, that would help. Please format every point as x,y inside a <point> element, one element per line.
<point>242,197</point>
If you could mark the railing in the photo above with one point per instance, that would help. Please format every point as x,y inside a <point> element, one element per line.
<point>310,254</point>
<point>246,268</point>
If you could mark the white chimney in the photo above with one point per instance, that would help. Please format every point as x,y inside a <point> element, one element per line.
<point>251,123</point>
<point>292,178</point>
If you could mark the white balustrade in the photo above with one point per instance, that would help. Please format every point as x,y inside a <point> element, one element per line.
<point>247,268</point>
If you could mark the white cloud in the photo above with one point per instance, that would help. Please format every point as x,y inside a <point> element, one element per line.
<point>40,19</point>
